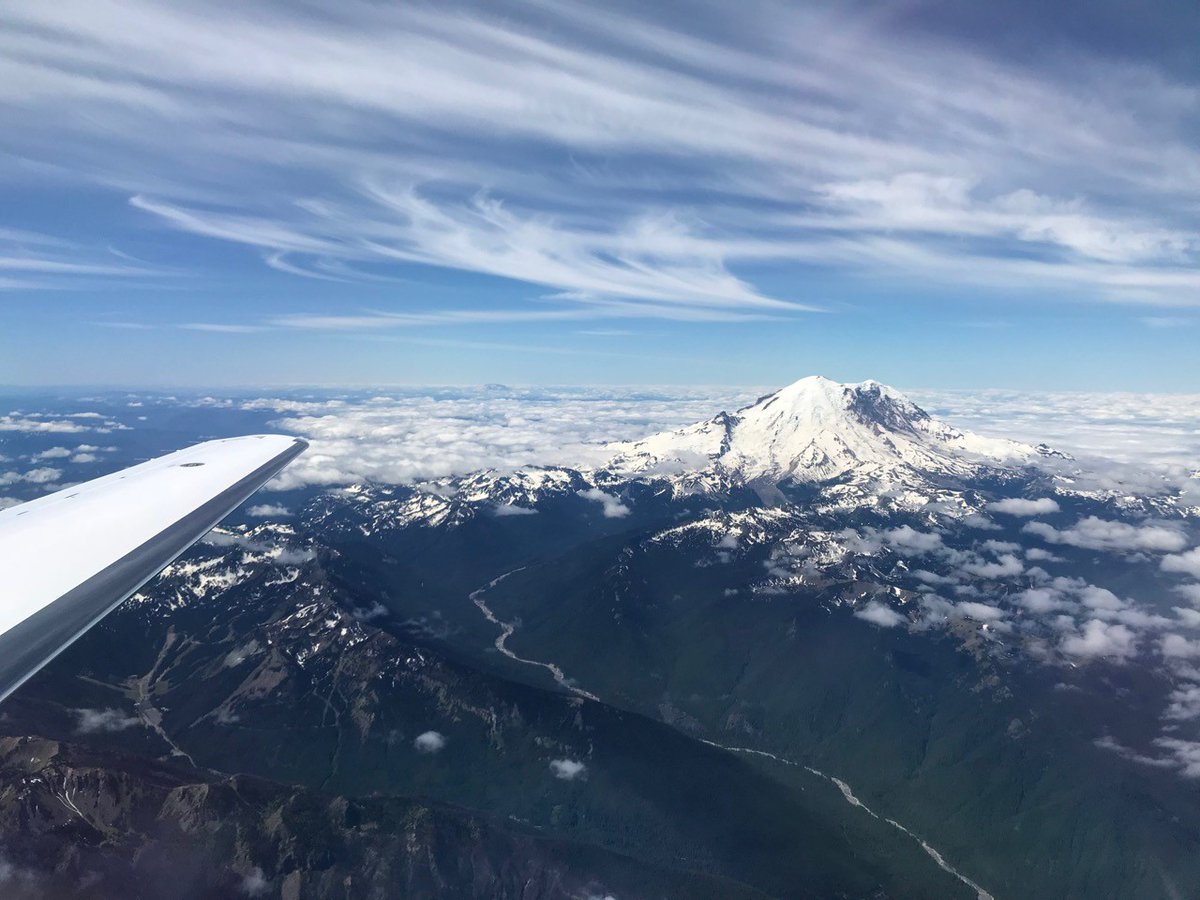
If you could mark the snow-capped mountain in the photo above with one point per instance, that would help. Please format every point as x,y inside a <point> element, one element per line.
<point>817,430</point>
<point>862,445</point>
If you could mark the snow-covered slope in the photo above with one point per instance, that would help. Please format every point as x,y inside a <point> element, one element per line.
<point>817,430</point>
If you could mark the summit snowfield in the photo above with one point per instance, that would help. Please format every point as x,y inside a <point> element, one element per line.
<point>818,430</point>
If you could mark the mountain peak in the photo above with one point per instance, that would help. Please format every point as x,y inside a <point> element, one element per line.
<point>821,403</point>
<point>816,429</point>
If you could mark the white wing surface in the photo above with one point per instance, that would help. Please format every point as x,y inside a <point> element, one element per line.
<point>69,558</point>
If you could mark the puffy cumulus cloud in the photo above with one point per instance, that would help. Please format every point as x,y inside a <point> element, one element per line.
<point>1008,566</point>
<point>268,511</point>
<point>1191,592</point>
<point>981,612</point>
<point>935,611</point>
<point>254,883</point>
<point>1188,617</point>
<point>9,502</point>
<point>878,614</point>
<point>1184,703</point>
<point>52,453</point>
<point>44,475</point>
<point>980,522</point>
<point>613,507</point>
<point>1019,506</point>
<point>927,577</point>
<point>1099,598</point>
<point>1094,533</point>
<point>1040,600</point>
<point>429,742</point>
<point>1187,563</point>
<point>503,510</point>
<point>998,547</point>
<point>1176,646</point>
<point>39,425</point>
<point>80,458</point>
<point>1101,639</point>
<point>76,423</point>
<point>908,541</point>
<point>568,769</point>
<point>271,551</point>
<point>1037,554</point>
<point>904,540</point>
<point>94,721</point>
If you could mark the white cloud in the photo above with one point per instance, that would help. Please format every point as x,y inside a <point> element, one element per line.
<point>268,511</point>
<point>1186,754</point>
<point>429,742</point>
<point>567,769</point>
<point>1018,506</point>
<point>1037,554</point>
<point>981,612</point>
<point>44,475</point>
<point>53,453</point>
<point>511,509</point>
<point>980,522</point>
<point>375,611</point>
<point>999,547</point>
<point>92,721</point>
<point>1042,599</point>
<point>1188,563</point>
<point>1101,639</point>
<point>1151,435</point>
<point>1094,533</point>
<point>254,883</point>
<point>404,437</point>
<point>875,146</point>
<point>1184,703</point>
<point>1007,566</point>
<point>878,614</point>
<point>84,458</point>
<point>1098,598</point>
<point>37,424</point>
<point>1175,646</point>
<point>613,507</point>
<point>904,540</point>
<point>908,541</point>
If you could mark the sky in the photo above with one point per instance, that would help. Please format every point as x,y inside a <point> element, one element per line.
<point>936,195</point>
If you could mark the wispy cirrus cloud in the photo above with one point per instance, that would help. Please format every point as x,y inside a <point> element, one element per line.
<point>631,164</point>
<point>32,261</point>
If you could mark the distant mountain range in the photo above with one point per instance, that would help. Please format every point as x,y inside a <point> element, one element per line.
<point>822,646</point>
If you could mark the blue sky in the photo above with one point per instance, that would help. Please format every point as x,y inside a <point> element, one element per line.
<point>933,195</point>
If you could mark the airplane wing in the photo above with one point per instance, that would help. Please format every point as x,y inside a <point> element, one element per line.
<point>71,557</point>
